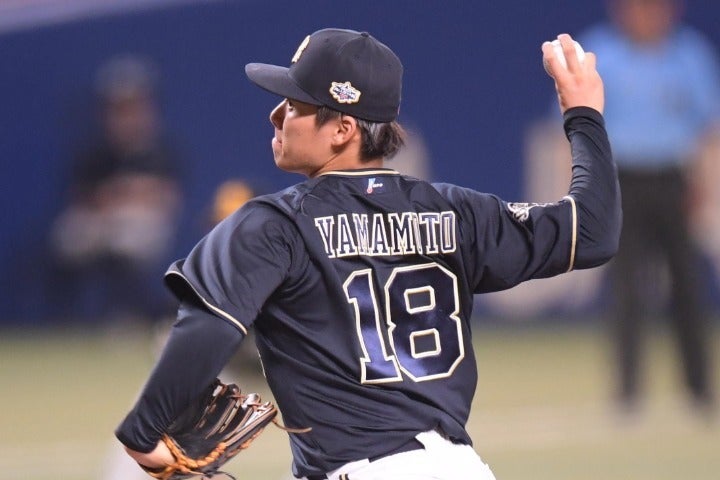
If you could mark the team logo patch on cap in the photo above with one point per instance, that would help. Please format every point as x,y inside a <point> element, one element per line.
<point>345,92</point>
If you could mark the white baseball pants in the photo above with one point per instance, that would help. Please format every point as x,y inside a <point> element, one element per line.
<point>440,460</point>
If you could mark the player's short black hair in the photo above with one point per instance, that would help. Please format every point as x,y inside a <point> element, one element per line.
<point>379,139</point>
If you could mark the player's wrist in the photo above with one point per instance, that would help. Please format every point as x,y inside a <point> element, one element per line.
<point>159,457</point>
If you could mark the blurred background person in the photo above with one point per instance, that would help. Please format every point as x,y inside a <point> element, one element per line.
<point>228,197</point>
<point>662,80</point>
<point>413,158</point>
<point>112,241</point>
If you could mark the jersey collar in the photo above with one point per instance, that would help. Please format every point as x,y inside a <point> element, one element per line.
<point>361,172</point>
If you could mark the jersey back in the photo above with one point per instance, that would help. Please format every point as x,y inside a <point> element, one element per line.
<point>378,342</point>
<point>360,287</point>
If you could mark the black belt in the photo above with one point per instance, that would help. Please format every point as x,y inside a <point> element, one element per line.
<point>412,444</point>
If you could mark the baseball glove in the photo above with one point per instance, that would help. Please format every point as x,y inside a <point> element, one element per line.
<point>220,424</point>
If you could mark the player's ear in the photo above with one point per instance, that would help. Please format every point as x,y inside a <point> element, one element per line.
<point>345,130</point>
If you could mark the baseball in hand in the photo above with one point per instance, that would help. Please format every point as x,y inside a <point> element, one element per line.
<point>557,48</point>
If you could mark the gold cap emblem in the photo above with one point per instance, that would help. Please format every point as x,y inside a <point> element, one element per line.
<point>301,49</point>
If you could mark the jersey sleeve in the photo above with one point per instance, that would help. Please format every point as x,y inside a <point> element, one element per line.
<point>594,189</point>
<point>178,378</point>
<point>514,242</point>
<point>237,266</point>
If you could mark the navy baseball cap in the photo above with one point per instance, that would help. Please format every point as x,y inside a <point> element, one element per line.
<point>348,71</point>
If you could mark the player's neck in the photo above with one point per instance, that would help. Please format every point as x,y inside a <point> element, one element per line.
<point>348,163</point>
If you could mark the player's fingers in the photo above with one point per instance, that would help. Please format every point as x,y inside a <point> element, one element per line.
<point>590,60</point>
<point>550,61</point>
<point>568,48</point>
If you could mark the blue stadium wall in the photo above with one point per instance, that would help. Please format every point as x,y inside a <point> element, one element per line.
<point>473,84</point>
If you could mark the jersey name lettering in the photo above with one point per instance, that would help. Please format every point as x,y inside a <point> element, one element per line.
<point>397,233</point>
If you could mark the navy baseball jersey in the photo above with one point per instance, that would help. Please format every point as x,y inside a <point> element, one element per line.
<point>360,286</point>
<point>360,291</point>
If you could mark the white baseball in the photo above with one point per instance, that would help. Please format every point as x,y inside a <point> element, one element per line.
<point>557,48</point>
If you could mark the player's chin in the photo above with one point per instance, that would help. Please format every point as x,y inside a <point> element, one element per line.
<point>278,154</point>
<point>286,164</point>
<point>279,160</point>
<point>282,162</point>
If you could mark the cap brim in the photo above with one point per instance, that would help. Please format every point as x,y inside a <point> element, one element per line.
<point>276,79</point>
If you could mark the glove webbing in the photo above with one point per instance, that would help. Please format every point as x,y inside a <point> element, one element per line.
<point>188,465</point>
<point>185,463</point>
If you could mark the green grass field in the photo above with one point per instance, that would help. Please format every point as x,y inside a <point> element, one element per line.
<point>542,410</point>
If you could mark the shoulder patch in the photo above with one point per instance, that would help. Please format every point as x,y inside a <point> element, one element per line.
<point>521,211</point>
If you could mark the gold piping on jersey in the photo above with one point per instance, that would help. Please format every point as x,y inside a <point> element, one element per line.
<point>359,173</point>
<point>573,243</point>
<point>212,307</point>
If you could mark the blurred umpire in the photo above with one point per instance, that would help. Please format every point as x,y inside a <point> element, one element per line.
<point>662,81</point>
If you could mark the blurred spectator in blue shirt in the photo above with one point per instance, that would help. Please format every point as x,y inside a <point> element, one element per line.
<point>662,83</point>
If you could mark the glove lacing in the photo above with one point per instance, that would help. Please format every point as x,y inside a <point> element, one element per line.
<point>277,423</point>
